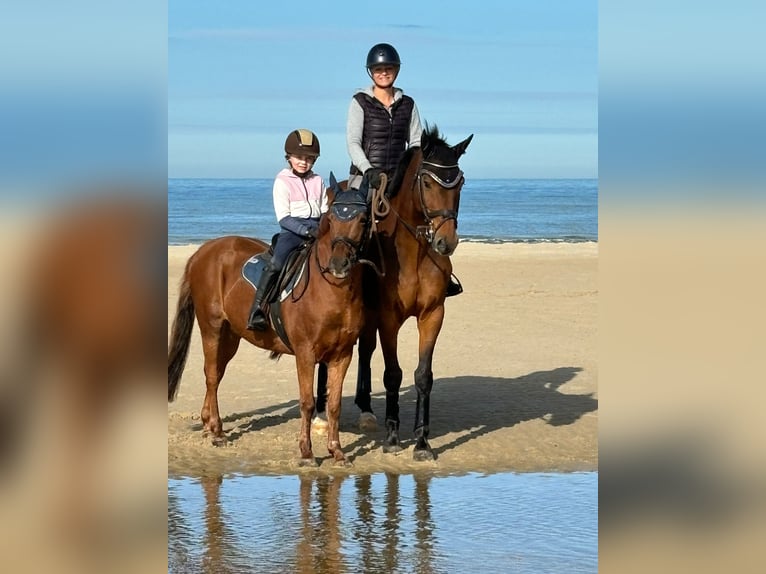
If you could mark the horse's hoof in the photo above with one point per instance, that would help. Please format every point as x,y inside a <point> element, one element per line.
<point>368,422</point>
<point>343,463</point>
<point>319,425</point>
<point>308,462</point>
<point>423,455</point>
<point>219,441</point>
<point>392,448</point>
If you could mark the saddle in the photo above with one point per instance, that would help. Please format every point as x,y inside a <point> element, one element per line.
<point>289,277</point>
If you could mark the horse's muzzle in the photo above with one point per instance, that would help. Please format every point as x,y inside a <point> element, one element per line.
<point>340,267</point>
<point>445,243</point>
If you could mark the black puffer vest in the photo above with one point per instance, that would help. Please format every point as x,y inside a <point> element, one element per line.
<point>385,135</point>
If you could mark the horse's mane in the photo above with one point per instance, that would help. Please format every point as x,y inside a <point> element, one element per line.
<point>404,162</point>
<point>430,140</point>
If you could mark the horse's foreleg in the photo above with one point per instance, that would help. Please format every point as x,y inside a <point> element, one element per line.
<point>218,349</point>
<point>428,329</point>
<point>424,380</point>
<point>392,380</point>
<point>305,366</point>
<point>336,372</point>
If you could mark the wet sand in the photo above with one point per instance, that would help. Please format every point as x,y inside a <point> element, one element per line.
<point>515,379</point>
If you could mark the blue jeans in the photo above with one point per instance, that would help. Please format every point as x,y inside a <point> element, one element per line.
<point>286,244</point>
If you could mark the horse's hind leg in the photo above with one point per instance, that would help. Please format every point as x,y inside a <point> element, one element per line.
<point>363,397</point>
<point>319,422</point>
<point>392,380</point>
<point>218,348</point>
<point>321,388</point>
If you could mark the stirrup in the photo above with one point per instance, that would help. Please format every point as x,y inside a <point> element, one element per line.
<point>453,288</point>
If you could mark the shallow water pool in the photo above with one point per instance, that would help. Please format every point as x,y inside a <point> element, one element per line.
<point>533,522</point>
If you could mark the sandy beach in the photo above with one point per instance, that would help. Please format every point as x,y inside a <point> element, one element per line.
<point>515,379</point>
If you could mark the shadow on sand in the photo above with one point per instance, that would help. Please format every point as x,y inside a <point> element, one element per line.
<point>471,406</point>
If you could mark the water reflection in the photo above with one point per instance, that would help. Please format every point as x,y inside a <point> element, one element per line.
<point>383,523</point>
<point>383,540</point>
<point>221,554</point>
<point>201,540</point>
<point>318,547</point>
<point>373,539</point>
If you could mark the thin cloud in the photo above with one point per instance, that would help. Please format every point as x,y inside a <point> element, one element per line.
<point>508,95</point>
<point>282,34</point>
<point>410,26</point>
<point>508,129</point>
<point>516,130</point>
<point>242,128</point>
<point>228,34</point>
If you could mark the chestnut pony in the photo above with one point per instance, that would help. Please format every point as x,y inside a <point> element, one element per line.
<point>417,232</point>
<point>322,317</point>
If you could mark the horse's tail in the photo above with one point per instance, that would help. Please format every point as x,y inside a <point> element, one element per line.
<point>178,350</point>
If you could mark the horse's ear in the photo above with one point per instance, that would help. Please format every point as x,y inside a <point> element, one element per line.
<point>332,190</point>
<point>460,148</point>
<point>426,143</point>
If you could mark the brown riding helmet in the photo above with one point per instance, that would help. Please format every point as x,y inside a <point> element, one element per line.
<point>302,142</point>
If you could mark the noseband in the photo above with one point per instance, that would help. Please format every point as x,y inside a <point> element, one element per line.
<point>447,176</point>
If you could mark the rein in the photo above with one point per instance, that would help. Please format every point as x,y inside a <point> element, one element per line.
<point>380,209</point>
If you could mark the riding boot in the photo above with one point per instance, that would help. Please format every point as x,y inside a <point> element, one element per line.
<point>454,287</point>
<point>257,320</point>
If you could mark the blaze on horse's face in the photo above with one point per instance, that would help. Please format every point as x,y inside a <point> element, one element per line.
<point>440,183</point>
<point>348,218</point>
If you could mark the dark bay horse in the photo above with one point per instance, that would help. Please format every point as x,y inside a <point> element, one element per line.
<point>417,234</point>
<point>322,318</point>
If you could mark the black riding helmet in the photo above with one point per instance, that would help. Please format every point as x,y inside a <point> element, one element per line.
<point>382,55</point>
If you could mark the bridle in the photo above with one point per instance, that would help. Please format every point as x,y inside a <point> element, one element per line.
<point>447,176</point>
<point>346,210</point>
<point>452,176</point>
<point>350,207</point>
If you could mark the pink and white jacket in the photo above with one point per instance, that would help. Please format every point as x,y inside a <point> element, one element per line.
<point>299,201</point>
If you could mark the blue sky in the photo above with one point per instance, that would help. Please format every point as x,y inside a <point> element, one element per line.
<point>521,76</point>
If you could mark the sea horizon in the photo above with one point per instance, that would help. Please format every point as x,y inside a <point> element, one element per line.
<point>492,210</point>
